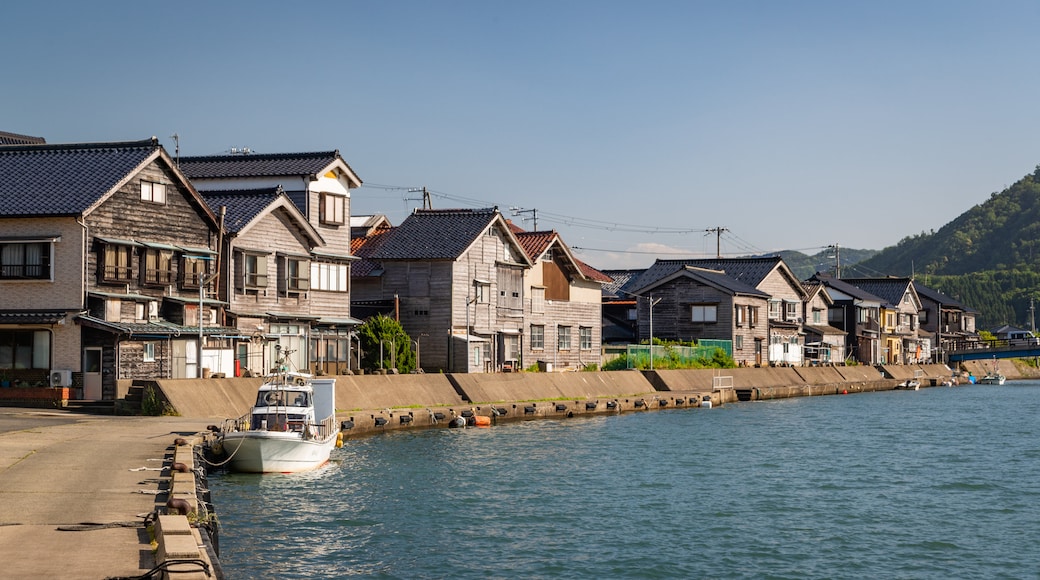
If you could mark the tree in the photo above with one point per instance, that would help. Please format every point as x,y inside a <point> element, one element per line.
<point>396,345</point>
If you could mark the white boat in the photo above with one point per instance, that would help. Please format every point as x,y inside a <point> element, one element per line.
<point>997,379</point>
<point>909,385</point>
<point>291,427</point>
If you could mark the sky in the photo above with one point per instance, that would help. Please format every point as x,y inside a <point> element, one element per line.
<point>638,130</point>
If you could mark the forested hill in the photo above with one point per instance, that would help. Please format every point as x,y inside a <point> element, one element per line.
<point>1001,234</point>
<point>988,258</point>
<point>804,266</point>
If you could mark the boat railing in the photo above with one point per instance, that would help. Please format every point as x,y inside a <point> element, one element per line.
<point>320,430</point>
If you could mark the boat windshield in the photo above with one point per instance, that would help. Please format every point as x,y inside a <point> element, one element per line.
<point>283,398</point>
<point>277,422</point>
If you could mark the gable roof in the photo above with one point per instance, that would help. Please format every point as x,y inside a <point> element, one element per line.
<point>844,287</point>
<point>441,234</point>
<point>72,179</point>
<point>264,165</point>
<point>16,139</point>
<point>536,243</point>
<point>939,298</point>
<point>715,278</point>
<point>750,271</point>
<point>890,290</point>
<point>245,206</point>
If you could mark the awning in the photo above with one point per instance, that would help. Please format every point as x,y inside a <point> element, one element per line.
<point>159,246</point>
<point>117,242</point>
<point>292,316</point>
<point>193,300</point>
<point>132,297</point>
<point>333,256</point>
<point>31,316</point>
<point>471,337</point>
<point>339,321</point>
<point>193,250</point>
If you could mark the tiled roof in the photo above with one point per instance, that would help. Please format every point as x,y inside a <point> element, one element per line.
<point>593,274</point>
<point>844,287</point>
<point>725,281</point>
<point>431,234</point>
<point>257,164</point>
<point>16,139</point>
<point>534,243</point>
<point>52,180</point>
<point>157,328</point>
<point>365,247</point>
<point>31,316</point>
<point>750,271</point>
<point>891,290</point>
<point>243,205</point>
<point>621,280</point>
<point>939,297</point>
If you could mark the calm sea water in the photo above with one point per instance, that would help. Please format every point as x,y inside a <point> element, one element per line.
<point>937,483</point>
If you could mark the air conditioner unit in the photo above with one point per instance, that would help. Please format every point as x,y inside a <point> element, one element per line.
<point>61,378</point>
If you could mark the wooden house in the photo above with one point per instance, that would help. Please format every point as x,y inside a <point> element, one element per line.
<point>944,322</point>
<point>900,306</point>
<point>289,280</point>
<point>563,308</point>
<point>105,254</point>
<point>768,276</point>
<point>857,313</point>
<point>824,343</point>
<point>620,316</point>
<point>455,278</point>
<point>693,303</point>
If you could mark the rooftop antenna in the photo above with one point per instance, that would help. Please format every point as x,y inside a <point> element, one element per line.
<point>533,212</point>
<point>177,149</point>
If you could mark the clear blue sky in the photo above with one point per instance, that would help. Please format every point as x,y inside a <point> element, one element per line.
<point>792,124</point>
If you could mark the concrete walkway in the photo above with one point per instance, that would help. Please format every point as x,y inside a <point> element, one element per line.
<point>59,468</point>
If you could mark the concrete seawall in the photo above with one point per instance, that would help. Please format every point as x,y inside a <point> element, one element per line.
<point>380,402</point>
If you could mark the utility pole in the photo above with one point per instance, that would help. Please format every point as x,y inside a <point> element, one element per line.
<point>533,213</point>
<point>427,204</point>
<point>837,259</point>
<point>718,239</point>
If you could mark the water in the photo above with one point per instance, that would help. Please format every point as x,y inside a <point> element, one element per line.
<point>937,483</point>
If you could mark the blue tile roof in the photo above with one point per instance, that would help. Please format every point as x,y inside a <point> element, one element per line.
<point>432,234</point>
<point>750,271</point>
<point>242,204</point>
<point>257,164</point>
<point>891,290</point>
<point>65,180</point>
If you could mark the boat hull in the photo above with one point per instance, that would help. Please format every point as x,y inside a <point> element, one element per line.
<point>275,452</point>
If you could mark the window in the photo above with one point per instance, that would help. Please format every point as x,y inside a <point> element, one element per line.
<point>192,271</point>
<point>331,277</point>
<point>585,337</point>
<point>738,315</point>
<point>537,337</point>
<point>25,260</point>
<point>774,310</point>
<point>297,275</point>
<point>791,311</point>
<point>153,192</point>
<point>481,292</point>
<point>752,316</point>
<point>158,266</point>
<point>118,263</point>
<point>548,255</point>
<point>563,337</point>
<point>537,299</point>
<point>333,209</point>
<point>255,271</point>
<point>149,352</point>
<point>25,349</point>
<point>704,313</point>
<point>738,342</point>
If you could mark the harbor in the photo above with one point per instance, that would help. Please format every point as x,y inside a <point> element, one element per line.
<point>87,486</point>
